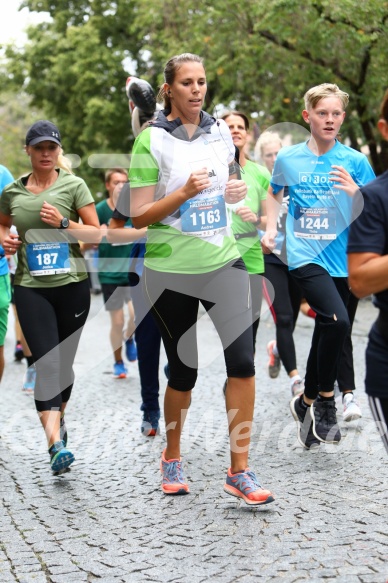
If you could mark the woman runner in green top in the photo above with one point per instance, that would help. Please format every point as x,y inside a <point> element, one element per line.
<point>51,288</point>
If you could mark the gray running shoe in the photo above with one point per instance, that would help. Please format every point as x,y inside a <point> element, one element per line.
<point>325,424</point>
<point>304,424</point>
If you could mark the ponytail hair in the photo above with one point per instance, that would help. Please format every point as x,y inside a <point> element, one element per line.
<point>64,163</point>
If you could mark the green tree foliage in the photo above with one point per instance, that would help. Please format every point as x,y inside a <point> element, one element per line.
<point>16,115</point>
<point>261,56</point>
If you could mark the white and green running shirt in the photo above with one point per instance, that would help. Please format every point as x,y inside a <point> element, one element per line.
<point>197,238</point>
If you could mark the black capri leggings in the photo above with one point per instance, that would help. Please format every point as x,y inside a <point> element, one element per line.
<point>285,309</point>
<point>225,294</point>
<point>52,320</point>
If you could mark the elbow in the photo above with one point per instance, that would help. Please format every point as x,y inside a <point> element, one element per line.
<point>139,222</point>
<point>357,287</point>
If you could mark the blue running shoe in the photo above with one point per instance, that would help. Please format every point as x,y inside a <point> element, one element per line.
<point>63,430</point>
<point>60,457</point>
<point>119,370</point>
<point>150,423</point>
<point>130,349</point>
<point>173,480</point>
<point>29,380</point>
<point>245,485</point>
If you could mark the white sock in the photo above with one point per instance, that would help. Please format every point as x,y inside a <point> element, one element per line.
<point>275,350</point>
<point>294,379</point>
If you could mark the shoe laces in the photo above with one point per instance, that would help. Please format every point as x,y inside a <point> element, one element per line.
<point>173,472</point>
<point>247,481</point>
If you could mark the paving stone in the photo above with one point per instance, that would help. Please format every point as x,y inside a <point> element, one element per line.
<point>107,520</point>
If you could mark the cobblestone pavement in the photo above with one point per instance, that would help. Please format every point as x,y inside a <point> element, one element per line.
<point>107,520</point>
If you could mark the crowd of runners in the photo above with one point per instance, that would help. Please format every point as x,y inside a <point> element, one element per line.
<point>197,221</point>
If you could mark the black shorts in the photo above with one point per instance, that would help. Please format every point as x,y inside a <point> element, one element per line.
<point>115,296</point>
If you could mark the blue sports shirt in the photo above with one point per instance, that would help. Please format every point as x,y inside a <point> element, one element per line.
<point>319,214</point>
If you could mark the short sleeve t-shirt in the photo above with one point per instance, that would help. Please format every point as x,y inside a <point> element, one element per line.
<point>197,237</point>
<point>319,214</point>
<point>257,179</point>
<point>68,194</point>
<point>368,233</point>
<point>113,259</point>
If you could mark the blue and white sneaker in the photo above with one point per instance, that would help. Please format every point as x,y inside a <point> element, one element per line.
<point>119,370</point>
<point>29,380</point>
<point>130,349</point>
<point>60,457</point>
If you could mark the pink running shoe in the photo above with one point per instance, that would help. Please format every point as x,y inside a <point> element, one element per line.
<point>173,480</point>
<point>245,485</point>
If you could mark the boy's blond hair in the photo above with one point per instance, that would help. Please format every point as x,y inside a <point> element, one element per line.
<point>315,94</point>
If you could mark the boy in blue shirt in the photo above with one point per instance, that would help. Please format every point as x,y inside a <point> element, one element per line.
<point>322,176</point>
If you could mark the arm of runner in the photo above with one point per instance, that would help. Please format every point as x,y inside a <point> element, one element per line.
<point>118,233</point>
<point>274,204</point>
<point>248,216</point>
<point>88,231</point>
<point>146,211</point>
<point>9,241</point>
<point>368,273</point>
<point>236,189</point>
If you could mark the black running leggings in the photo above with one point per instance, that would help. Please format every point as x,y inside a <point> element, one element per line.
<point>52,320</point>
<point>328,296</point>
<point>225,294</point>
<point>285,309</point>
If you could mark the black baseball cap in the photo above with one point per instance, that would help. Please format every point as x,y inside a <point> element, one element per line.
<point>41,131</point>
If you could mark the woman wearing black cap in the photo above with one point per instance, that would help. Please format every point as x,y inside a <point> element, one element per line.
<point>51,288</point>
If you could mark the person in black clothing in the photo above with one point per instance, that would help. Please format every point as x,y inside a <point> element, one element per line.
<point>368,274</point>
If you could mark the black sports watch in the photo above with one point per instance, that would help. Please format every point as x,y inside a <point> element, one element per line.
<point>64,223</point>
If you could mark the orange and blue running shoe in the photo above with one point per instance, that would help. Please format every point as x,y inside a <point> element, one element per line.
<point>119,370</point>
<point>150,423</point>
<point>245,485</point>
<point>173,480</point>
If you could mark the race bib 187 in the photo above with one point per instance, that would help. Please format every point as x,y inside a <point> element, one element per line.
<point>48,258</point>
